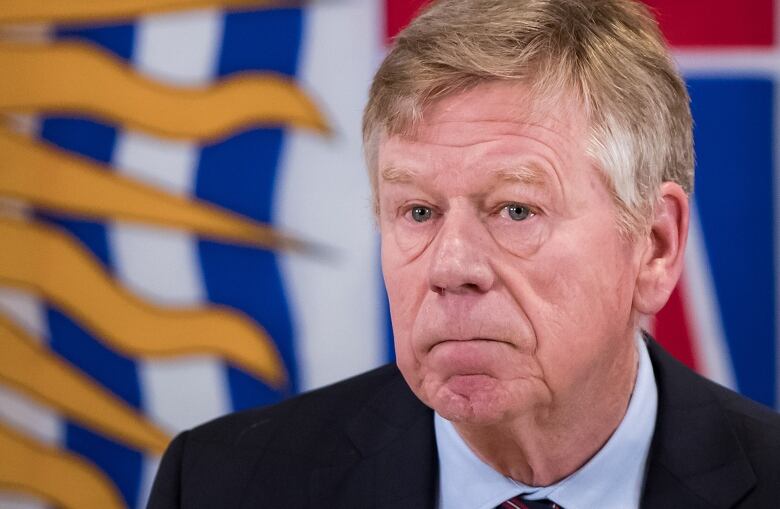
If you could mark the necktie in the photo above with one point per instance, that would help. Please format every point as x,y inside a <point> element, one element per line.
<point>521,503</point>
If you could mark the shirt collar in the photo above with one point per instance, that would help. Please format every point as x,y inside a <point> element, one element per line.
<point>612,479</point>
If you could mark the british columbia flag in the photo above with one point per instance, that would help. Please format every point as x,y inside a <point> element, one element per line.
<point>186,227</point>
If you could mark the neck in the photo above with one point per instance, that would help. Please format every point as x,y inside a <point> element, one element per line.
<point>543,447</point>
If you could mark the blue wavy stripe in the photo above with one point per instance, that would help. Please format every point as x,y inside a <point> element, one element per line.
<point>240,173</point>
<point>117,373</point>
<point>734,192</point>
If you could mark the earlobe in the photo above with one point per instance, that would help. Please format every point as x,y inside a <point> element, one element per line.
<point>662,261</point>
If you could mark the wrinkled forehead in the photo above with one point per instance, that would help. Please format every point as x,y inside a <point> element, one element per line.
<point>510,102</point>
<point>499,109</point>
<point>500,100</point>
<point>489,112</point>
<point>487,105</point>
<point>507,100</point>
<point>486,137</point>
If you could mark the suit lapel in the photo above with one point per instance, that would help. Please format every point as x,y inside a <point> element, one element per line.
<point>696,460</point>
<point>392,459</point>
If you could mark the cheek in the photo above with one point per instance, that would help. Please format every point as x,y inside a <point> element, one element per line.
<point>403,237</point>
<point>521,239</point>
<point>411,239</point>
<point>579,296</point>
<point>403,284</point>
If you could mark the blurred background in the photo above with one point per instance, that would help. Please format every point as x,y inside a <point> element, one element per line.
<point>186,227</point>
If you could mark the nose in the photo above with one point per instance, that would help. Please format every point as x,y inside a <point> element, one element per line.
<point>460,262</point>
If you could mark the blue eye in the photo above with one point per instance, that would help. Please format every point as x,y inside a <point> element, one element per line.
<point>518,212</point>
<point>421,214</point>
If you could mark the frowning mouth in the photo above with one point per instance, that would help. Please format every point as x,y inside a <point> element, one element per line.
<point>475,356</point>
<point>470,341</point>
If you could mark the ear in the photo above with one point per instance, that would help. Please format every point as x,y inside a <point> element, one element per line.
<point>662,260</point>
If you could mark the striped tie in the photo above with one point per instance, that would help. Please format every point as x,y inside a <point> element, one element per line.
<point>521,503</point>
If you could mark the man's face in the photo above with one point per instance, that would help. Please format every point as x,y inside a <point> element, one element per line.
<point>510,286</point>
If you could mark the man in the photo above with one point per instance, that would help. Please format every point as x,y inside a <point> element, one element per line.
<point>531,162</point>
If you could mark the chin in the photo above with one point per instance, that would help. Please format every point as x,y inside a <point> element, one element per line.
<point>474,401</point>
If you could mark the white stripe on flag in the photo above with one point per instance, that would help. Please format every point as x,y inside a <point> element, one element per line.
<point>703,312</point>
<point>159,264</point>
<point>322,194</point>
<point>12,500</point>
<point>29,417</point>
<point>25,310</point>
<point>728,62</point>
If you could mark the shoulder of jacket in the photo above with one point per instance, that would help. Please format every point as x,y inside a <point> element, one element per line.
<point>311,410</point>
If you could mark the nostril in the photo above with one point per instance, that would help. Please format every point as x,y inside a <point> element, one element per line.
<point>441,290</point>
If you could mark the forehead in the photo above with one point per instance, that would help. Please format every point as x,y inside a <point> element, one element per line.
<point>504,102</point>
<point>498,125</point>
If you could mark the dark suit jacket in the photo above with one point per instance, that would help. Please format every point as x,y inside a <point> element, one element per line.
<point>368,442</point>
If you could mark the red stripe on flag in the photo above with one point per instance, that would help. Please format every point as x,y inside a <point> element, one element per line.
<point>673,331</point>
<point>716,22</point>
<point>684,22</point>
<point>399,13</point>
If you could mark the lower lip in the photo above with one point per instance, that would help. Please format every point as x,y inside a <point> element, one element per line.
<point>464,344</point>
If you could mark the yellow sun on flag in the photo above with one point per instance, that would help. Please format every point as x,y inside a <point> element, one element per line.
<point>67,78</point>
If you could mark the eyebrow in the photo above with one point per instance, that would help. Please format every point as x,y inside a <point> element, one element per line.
<point>530,175</point>
<point>399,175</point>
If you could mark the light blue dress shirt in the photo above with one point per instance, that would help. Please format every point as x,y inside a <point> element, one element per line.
<point>612,479</point>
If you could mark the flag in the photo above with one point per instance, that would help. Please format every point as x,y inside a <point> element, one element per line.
<point>187,229</point>
<point>721,319</point>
